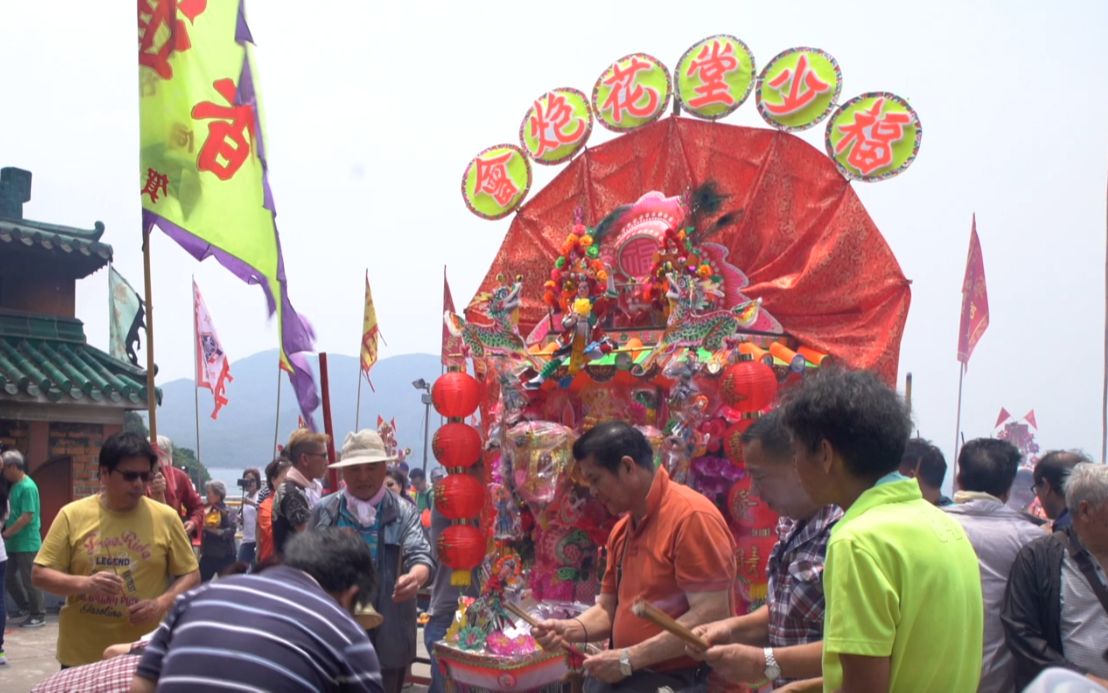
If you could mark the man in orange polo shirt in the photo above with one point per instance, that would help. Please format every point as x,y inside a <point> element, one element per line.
<point>671,548</point>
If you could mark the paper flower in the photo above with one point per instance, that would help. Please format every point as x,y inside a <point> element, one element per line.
<point>471,638</point>
<point>500,644</point>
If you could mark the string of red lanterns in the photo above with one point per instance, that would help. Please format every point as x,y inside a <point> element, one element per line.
<point>459,496</point>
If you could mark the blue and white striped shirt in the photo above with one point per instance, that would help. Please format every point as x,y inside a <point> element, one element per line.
<point>273,631</point>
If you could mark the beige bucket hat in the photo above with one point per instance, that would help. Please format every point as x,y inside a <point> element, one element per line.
<point>363,447</point>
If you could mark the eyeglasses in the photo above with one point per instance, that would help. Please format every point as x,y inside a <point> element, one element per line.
<point>132,477</point>
<point>1035,486</point>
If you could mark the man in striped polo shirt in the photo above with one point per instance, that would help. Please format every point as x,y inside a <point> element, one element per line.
<point>288,628</point>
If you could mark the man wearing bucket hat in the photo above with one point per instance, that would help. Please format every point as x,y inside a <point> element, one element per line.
<point>392,530</point>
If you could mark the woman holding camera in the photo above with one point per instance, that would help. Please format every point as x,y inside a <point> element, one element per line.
<point>217,543</point>
<point>251,483</point>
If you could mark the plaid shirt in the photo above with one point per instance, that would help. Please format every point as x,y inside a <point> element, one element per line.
<point>107,676</point>
<point>795,571</point>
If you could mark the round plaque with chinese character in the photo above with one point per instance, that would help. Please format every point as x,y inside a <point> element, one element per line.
<point>496,181</point>
<point>798,88</point>
<point>557,125</point>
<point>631,93</point>
<point>715,76</point>
<point>873,136</point>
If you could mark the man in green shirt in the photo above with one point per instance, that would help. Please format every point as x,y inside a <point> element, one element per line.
<point>900,577</point>
<point>23,538</point>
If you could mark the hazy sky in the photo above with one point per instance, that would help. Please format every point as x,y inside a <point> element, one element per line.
<point>373,110</point>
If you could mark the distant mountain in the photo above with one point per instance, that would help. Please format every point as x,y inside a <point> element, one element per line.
<point>243,435</point>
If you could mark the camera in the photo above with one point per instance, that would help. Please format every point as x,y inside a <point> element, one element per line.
<point>243,482</point>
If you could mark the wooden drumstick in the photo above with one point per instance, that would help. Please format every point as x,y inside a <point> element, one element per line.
<point>645,610</point>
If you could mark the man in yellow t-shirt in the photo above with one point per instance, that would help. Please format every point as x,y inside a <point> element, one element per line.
<point>900,577</point>
<point>119,558</point>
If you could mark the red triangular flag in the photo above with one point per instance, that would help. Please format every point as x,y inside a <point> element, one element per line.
<point>975,300</point>
<point>453,348</point>
<point>1004,416</point>
<point>1030,418</point>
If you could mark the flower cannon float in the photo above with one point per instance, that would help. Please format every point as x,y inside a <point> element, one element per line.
<point>677,277</point>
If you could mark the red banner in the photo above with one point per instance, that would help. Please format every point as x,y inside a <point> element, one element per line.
<point>975,300</point>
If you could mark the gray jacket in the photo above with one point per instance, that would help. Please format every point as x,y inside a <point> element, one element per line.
<point>398,526</point>
<point>997,534</point>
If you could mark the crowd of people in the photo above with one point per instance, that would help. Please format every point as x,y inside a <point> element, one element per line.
<point>123,557</point>
<point>877,580</point>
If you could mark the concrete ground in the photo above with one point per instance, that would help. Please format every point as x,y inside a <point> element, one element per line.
<point>31,657</point>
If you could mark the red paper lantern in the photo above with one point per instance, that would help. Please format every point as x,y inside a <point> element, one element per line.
<point>751,556</point>
<point>457,445</point>
<point>459,496</point>
<point>733,440</point>
<point>462,548</point>
<point>456,395</point>
<point>748,386</point>
<point>748,512</point>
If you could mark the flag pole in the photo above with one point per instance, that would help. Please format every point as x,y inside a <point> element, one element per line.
<point>358,397</point>
<point>358,402</point>
<point>277,416</point>
<point>442,371</point>
<point>196,368</point>
<point>908,393</point>
<point>958,423</point>
<point>1104,401</point>
<point>325,386</point>
<point>151,393</point>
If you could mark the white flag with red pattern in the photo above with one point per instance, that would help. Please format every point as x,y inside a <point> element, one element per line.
<point>213,368</point>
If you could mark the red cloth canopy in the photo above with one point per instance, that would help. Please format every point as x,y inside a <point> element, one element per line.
<point>809,247</point>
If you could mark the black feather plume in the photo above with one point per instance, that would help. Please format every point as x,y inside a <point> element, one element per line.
<point>706,199</point>
<point>607,223</point>
<point>724,221</point>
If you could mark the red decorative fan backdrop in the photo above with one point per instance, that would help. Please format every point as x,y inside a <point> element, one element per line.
<point>808,245</point>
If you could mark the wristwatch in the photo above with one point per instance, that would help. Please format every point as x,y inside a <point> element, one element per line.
<point>625,663</point>
<point>772,671</point>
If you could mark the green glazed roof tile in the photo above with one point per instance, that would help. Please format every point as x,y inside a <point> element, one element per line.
<point>81,247</point>
<point>61,370</point>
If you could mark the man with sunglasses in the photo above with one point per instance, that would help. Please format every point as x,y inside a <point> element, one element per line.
<point>294,498</point>
<point>119,557</point>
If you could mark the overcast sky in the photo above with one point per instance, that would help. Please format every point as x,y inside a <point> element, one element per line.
<point>374,108</point>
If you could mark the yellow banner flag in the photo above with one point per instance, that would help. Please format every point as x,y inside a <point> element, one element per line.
<point>202,163</point>
<point>370,333</point>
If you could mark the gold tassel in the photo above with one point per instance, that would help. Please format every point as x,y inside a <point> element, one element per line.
<point>461,578</point>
